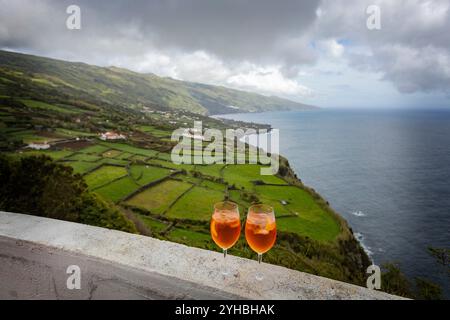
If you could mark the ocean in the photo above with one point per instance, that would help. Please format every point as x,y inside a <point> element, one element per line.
<point>387,172</point>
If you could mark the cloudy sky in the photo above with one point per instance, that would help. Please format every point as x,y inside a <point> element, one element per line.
<point>318,52</point>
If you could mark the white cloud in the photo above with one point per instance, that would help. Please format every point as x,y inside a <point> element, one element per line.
<point>331,48</point>
<point>269,81</point>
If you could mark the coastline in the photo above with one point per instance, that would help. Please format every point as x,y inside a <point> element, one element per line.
<point>347,233</point>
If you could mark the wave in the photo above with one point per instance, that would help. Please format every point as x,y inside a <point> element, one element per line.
<point>359,236</point>
<point>358,214</point>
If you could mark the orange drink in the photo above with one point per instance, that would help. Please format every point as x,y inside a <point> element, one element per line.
<point>260,230</point>
<point>225,227</point>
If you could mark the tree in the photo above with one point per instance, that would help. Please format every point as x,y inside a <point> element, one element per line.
<point>39,186</point>
<point>442,257</point>
<point>427,290</point>
<point>394,281</point>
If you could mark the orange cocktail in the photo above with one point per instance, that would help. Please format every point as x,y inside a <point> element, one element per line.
<point>260,232</point>
<point>225,227</point>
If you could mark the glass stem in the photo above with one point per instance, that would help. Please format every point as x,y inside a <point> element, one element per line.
<point>224,266</point>
<point>259,275</point>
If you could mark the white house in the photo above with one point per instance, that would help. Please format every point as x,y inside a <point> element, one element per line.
<point>39,146</point>
<point>112,136</point>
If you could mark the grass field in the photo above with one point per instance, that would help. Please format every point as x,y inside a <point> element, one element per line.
<point>242,175</point>
<point>46,106</point>
<point>213,185</point>
<point>197,204</point>
<point>59,154</point>
<point>296,209</point>
<point>124,156</point>
<point>84,157</point>
<point>81,166</point>
<point>30,136</point>
<point>137,157</point>
<point>95,149</point>
<point>213,170</point>
<point>73,133</point>
<point>164,156</point>
<point>130,149</point>
<point>118,190</point>
<point>111,153</point>
<point>154,131</point>
<point>158,198</point>
<point>103,175</point>
<point>113,161</point>
<point>171,165</point>
<point>143,174</point>
<point>189,237</point>
<point>153,224</point>
<point>310,218</point>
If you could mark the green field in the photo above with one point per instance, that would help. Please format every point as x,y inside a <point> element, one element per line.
<point>309,219</point>
<point>81,166</point>
<point>111,153</point>
<point>154,131</point>
<point>137,157</point>
<point>124,156</point>
<point>171,165</point>
<point>130,149</point>
<point>153,224</point>
<point>213,185</point>
<point>191,238</point>
<point>46,106</point>
<point>112,161</point>
<point>57,155</point>
<point>94,149</point>
<point>104,175</point>
<point>144,174</point>
<point>30,136</point>
<point>242,176</point>
<point>118,190</point>
<point>158,198</point>
<point>197,204</point>
<point>73,133</point>
<point>84,157</point>
<point>213,170</point>
<point>164,156</point>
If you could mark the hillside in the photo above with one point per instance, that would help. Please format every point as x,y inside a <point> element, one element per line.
<point>65,106</point>
<point>27,75</point>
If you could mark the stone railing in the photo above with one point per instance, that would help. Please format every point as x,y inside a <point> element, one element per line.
<point>35,254</point>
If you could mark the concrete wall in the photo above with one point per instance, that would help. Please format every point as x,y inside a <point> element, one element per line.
<point>35,253</point>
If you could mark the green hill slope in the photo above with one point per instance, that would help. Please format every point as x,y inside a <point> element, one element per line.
<point>27,75</point>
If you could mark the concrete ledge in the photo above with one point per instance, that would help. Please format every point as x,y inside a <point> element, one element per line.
<point>35,253</point>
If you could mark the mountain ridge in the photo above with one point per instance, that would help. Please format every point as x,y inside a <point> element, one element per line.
<point>117,85</point>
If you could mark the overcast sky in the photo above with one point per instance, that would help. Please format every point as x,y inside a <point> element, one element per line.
<point>318,52</point>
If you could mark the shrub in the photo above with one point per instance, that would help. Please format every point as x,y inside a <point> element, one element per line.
<point>39,186</point>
